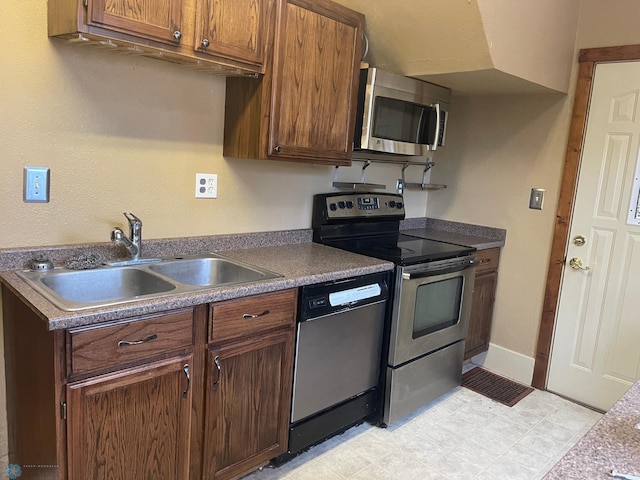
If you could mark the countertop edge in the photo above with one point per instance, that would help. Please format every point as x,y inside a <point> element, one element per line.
<point>319,264</point>
<point>612,443</point>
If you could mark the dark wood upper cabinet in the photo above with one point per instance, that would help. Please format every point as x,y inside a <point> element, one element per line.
<point>159,20</point>
<point>303,109</point>
<point>224,36</point>
<point>236,29</point>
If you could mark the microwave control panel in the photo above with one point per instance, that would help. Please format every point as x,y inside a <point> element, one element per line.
<point>363,205</point>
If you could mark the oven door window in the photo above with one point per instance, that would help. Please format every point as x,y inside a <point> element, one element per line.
<point>437,306</point>
<point>403,121</point>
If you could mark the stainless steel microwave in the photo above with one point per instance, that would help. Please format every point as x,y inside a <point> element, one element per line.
<point>399,115</point>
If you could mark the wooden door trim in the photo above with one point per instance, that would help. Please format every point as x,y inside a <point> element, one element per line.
<point>587,59</point>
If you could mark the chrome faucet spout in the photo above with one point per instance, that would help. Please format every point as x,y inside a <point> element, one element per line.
<point>133,244</point>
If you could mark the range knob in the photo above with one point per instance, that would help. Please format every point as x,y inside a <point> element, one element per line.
<point>333,207</point>
<point>399,205</point>
<point>341,204</point>
<point>349,204</point>
<point>392,204</point>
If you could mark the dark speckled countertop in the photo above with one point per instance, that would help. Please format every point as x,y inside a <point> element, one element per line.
<point>477,236</point>
<point>612,444</point>
<point>300,263</point>
<point>290,253</point>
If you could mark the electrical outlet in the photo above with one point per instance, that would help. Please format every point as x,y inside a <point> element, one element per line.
<point>36,185</point>
<point>206,185</point>
<point>537,198</point>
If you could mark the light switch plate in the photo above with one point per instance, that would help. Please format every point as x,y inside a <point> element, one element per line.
<point>537,198</point>
<point>36,185</point>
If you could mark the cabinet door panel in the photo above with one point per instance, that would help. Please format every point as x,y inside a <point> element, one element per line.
<point>131,425</point>
<point>235,29</point>
<point>152,19</point>
<point>481,314</point>
<point>248,402</point>
<point>315,81</point>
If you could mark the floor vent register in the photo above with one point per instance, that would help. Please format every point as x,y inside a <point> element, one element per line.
<point>494,386</point>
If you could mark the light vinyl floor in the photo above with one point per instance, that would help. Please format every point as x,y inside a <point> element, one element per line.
<point>462,435</point>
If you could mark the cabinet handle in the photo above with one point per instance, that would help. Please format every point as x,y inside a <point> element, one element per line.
<point>126,343</point>
<point>217,362</point>
<point>177,34</point>
<point>185,369</point>
<point>255,315</point>
<point>277,148</point>
<point>204,43</point>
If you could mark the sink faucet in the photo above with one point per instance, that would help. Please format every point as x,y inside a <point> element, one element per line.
<point>133,244</point>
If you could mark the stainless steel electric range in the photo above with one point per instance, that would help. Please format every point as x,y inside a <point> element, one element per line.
<point>432,289</point>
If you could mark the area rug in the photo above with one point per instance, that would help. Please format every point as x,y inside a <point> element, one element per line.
<point>494,386</point>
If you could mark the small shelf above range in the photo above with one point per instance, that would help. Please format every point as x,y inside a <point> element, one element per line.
<point>401,183</point>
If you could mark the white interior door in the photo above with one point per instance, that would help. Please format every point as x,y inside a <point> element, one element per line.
<point>596,347</point>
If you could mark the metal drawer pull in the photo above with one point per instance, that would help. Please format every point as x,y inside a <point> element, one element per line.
<point>126,343</point>
<point>217,362</point>
<point>249,315</point>
<point>185,369</point>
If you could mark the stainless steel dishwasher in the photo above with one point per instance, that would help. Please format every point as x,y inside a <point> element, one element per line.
<point>337,369</point>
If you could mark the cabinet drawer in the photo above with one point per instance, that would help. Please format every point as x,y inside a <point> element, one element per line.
<point>487,260</point>
<point>249,315</point>
<point>106,346</point>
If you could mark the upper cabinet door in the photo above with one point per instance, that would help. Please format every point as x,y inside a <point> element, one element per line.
<point>315,81</point>
<point>158,20</point>
<point>235,29</point>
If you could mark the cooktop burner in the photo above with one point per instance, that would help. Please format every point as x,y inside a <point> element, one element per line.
<point>368,223</point>
<point>401,249</point>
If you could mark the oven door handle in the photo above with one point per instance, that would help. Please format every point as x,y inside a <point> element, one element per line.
<point>442,271</point>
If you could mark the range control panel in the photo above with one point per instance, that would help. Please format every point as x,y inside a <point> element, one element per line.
<point>354,205</point>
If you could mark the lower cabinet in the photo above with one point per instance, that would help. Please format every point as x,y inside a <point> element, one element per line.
<point>484,291</point>
<point>151,397</point>
<point>132,424</point>
<point>248,398</point>
<point>249,383</point>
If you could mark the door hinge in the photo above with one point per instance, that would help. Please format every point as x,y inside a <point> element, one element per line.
<point>63,410</point>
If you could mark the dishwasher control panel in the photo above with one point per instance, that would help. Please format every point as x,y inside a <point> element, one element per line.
<point>332,297</point>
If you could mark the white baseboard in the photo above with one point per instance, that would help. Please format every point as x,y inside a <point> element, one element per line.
<point>507,363</point>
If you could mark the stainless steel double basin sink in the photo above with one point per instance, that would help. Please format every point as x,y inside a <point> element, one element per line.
<point>111,285</point>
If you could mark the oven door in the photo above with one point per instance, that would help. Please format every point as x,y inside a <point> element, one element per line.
<point>431,308</point>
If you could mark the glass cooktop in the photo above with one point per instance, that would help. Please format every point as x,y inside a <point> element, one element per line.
<point>401,249</point>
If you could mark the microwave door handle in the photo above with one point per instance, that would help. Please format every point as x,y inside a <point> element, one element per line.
<point>436,137</point>
<point>419,133</point>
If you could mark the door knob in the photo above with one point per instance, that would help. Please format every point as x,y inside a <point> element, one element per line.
<point>576,264</point>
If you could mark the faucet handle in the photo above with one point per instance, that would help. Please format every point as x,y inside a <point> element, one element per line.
<point>132,219</point>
